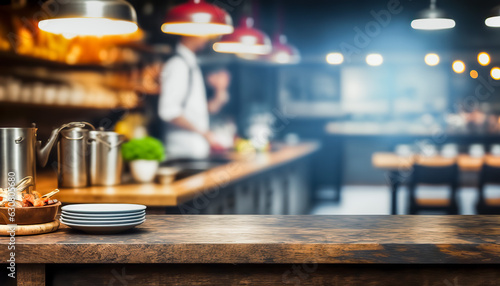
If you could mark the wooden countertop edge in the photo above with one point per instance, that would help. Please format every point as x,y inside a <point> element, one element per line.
<point>371,253</point>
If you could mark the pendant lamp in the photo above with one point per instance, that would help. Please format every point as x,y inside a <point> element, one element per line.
<point>245,40</point>
<point>90,17</point>
<point>432,19</point>
<point>494,19</point>
<point>283,52</point>
<point>197,18</point>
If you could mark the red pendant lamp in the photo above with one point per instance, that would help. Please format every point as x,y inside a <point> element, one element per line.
<point>197,18</point>
<point>245,40</point>
<point>283,52</point>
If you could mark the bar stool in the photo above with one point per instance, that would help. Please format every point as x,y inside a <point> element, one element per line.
<point>443,173</point>
<point>489,175</point>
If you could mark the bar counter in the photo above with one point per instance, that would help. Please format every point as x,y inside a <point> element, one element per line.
<point>226,178</point>
<point>271,250</point>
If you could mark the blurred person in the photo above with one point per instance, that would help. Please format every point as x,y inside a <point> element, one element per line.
<point>183,102</point>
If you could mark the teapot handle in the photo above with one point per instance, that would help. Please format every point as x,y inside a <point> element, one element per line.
<point>44,152</point>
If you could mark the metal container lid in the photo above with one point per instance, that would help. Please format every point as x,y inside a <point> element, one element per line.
<point>109,138</point>
<point>75,133</point>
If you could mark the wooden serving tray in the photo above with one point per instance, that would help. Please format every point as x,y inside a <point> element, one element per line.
<point>31,229</point>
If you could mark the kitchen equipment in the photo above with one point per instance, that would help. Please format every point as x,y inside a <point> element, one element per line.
<point>104,215</point>
<point>20,150</point>
<point>103,228</point>
<point>106,161</point>
<point>103,218</point>
<point>72,151</point>
<point>103,208</point>
<point>30,229</point>
<point>166,175</point>
<point>30,215</point>
<point>126,216</point>
<point>17,155</point>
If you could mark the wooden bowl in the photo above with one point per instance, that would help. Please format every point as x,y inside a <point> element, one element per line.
<point>30,215</point>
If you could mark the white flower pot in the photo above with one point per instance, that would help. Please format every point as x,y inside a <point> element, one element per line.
<point>144,171</point>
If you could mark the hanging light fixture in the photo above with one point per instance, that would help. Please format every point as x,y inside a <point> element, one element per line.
<point>432,19</point>
<point>245,40</point>
<point>494,19</point>
<point>283,52</point>
<point>90,18</point>
<point>197,18</point>
<point>335,58</point>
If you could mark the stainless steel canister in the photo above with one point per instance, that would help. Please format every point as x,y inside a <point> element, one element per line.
<point>73,153</point>
<point>17,154</point>
<point>106,162</point>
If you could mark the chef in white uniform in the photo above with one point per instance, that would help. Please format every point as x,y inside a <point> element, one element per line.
<point>183,102</point>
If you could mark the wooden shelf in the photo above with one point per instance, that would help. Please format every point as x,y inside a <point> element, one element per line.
<point>9,59</point>
<point>10,105</point>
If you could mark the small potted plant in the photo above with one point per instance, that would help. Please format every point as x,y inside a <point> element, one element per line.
<point>144,155</point>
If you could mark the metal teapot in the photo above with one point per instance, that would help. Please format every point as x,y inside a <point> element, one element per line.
<point>20,149</point>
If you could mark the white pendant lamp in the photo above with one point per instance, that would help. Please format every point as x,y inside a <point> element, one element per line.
<point>432,19</point>
<point>494,19</point>
<point>90,18</point>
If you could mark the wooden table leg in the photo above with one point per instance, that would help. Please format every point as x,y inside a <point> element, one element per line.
<point>30,274</point>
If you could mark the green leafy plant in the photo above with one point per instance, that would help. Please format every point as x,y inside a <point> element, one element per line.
<point>146,148</point>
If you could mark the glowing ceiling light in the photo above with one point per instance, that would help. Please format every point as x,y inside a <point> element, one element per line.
<point>495,73</point>
<point>334,58</point>
<point>431,59</point>
<point>432,19</point>
<point>90,18</point>
<point>483,59</point>
<point>458,66</point>
<point>283,52</point>
<point>244,40</point>
<point>197,18</point>
<point>374,59</point>
<point>494,19</point>
<point>473,74</point>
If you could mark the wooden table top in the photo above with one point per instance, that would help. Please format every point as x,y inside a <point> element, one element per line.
<point>391,161</point>
<point>178,192</point>
<point>274,239</point>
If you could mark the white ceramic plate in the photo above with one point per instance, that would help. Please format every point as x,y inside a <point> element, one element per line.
<point>103,229</point>
<point>104,215</point>
<point>93,218</point>
<point>99,222</point>
<point>103,208</point>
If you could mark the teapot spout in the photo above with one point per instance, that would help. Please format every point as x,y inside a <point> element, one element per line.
<point>43,153</point>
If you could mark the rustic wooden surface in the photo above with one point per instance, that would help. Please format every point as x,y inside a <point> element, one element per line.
<point>274,274</point>
<point>391,161</point>
<point>244,165</point>
<point>31,274</point>
<point>275,239</point>
<point>31,229</point>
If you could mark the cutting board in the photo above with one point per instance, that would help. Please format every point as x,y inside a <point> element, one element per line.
<point>31,229</point>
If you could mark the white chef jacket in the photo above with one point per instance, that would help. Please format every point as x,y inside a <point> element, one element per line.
<point>175,101</point>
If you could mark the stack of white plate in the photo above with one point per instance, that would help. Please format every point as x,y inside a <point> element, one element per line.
<point>103,218</point>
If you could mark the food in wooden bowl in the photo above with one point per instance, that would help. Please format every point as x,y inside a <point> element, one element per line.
<point>28,208</point>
